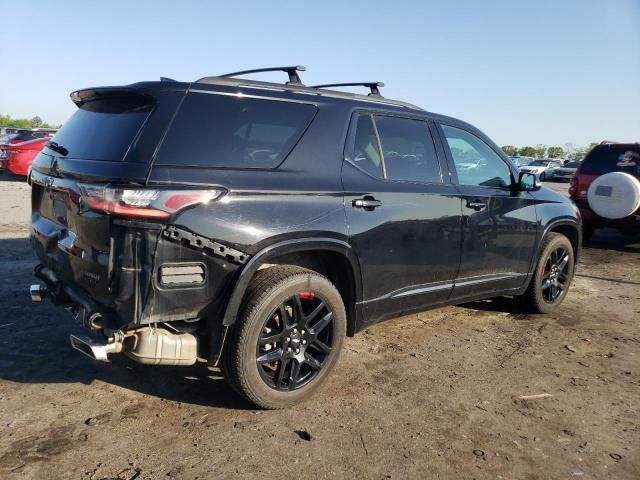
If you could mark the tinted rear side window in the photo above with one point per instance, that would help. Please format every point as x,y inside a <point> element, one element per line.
<point>366,153</point>
<point>232,131</point>
<point>102,129</point>
<point>604,159</point>
<point>407,149</point>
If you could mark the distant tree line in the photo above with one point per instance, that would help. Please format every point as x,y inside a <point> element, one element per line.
<point>35,122</point>
<point>568,152</point>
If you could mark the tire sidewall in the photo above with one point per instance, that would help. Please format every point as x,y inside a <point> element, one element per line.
<point>556,242</point>
<point>253,323</point>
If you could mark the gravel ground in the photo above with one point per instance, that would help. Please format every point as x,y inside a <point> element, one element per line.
<point>434,395</point>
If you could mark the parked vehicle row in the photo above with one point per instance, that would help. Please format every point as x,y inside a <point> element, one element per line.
<point>20,149</point>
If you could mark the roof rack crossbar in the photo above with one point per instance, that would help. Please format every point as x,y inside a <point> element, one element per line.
<point>294,78</point>
<point>374,86</point>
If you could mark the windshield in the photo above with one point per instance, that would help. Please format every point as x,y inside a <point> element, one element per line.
<point>607,158</point>
<point>101,129</point>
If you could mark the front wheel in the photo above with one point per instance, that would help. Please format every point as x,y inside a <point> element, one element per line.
<point>553,274</point>
<point>287,338</point>
<point>543,176</point>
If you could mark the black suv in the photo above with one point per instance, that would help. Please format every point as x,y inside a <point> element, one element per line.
<point>254,225</point>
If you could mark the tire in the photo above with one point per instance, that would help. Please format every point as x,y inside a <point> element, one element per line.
<point>537,297</point>
<point>542,176</point>
<point>279,305</point>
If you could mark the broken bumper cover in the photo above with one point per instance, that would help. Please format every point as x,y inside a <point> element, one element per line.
<point>81,307</point>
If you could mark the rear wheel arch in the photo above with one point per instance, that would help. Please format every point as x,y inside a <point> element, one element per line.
<point>332,258</point>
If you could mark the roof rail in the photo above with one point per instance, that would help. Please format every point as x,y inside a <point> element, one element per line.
<point>374,86</point>
<point>299,88</point>
<point>294,78</point>
<point>607,142</point>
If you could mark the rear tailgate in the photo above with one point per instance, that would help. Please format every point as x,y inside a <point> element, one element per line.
<point>110,139</point>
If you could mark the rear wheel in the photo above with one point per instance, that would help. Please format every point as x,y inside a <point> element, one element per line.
<point>287,338</point>
<point>552,276</point>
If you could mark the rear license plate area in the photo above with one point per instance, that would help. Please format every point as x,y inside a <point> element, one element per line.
<point>59,206</point>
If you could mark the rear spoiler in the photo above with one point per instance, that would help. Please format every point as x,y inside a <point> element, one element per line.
<point>80,97</point>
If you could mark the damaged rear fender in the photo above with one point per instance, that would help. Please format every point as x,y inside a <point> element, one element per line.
<point>290,247</point>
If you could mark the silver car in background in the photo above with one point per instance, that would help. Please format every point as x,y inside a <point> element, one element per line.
<point>543,168</point>
<point>565,172</point>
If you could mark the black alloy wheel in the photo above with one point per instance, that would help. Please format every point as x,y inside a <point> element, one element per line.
<point>295,341</point>
<point>287,338</point>
<point>552,276</point>
<point>556,274</point>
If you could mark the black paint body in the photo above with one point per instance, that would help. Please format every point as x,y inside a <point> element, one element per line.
<point>421,248</point>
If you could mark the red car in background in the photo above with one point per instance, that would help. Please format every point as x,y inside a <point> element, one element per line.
<point>27,135</point>
<point>17,157</point>
<point>606,188</point>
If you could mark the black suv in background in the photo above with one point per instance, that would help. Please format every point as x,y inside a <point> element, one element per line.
<point>254,224</point>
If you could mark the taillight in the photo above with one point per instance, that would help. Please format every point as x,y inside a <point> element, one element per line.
<point>143,202</point>
<point>574,181</point>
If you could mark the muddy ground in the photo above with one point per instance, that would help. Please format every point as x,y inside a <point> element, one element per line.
<point>434,395</point>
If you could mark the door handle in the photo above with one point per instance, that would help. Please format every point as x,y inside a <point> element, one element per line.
<point>368,203</point>
<point>476,205</point>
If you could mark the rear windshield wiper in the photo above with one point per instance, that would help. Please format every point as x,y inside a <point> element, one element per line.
<point>57,148</point>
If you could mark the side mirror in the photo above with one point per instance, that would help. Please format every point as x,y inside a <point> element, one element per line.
<point>528,182</point>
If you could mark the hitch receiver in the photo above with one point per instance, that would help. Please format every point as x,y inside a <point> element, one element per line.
<point>38,293</point>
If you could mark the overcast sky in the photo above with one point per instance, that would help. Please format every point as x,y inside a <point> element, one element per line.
<point>534,72</point>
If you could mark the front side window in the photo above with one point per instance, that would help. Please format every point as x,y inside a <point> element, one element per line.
<point>476,162</point>
<point>407,149</point>
<point>234,132</point>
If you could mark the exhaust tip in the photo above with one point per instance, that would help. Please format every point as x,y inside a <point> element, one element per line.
<point>94,350</point>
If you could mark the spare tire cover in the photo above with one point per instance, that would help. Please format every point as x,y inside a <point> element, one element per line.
<point>614,195</point>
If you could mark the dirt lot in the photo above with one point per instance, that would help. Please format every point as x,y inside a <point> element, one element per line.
<point>434,395</point>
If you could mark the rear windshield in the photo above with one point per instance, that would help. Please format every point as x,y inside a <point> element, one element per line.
<point>102,129</point>
<point>232,131</point>
<point>604,159</point>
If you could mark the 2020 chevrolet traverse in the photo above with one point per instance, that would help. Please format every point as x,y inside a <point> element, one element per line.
<point>254,224</point>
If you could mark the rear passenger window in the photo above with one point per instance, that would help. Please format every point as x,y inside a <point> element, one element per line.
<point>366,151</point>
<point>407,149</point>
<point>231,131</point>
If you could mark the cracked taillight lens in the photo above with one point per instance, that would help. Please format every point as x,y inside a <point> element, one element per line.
<point>143,202</point>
